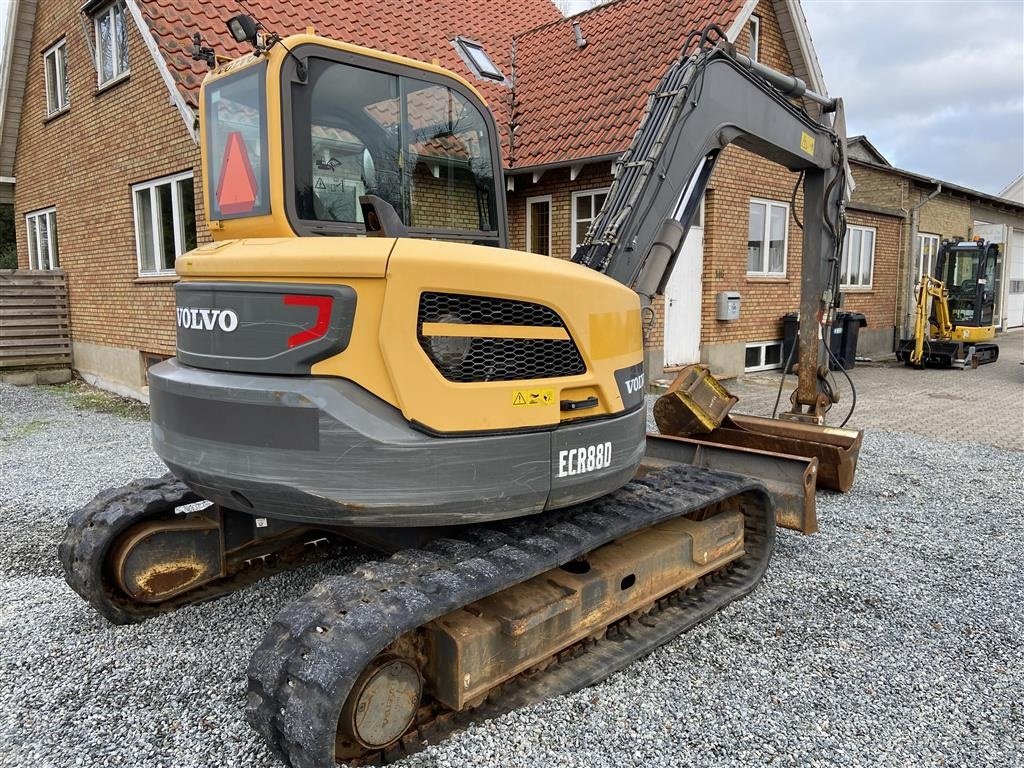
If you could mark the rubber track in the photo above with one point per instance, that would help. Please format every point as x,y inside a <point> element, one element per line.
<point>93,528</point>
<point>300,675</point>
<point>96,526</point>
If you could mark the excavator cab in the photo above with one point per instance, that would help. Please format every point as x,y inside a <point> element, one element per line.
<point>351,125</point>
<point>968,270</point>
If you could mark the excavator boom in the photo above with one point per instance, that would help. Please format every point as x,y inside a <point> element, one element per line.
<point>708,99</point>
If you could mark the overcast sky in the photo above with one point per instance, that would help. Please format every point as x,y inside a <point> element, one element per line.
<point>936,85</point>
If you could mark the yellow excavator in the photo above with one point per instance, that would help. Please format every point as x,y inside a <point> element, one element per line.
<point>360,356</point>
<point>959,330</point>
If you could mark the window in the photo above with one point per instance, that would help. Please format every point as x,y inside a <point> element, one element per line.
<point>42,239</point>
<point>538,225</point>
<point>238,179</point>
<point>927,248</point>
<point>857,266</point>
<point>477,58</point>
<point>111,43</point>
<point>767,239</point>
<point>425,148</point>
<point>763,356</point>
<point>754,28</point>
<point>56,72</point>
<point>585,207</point>
<point>165,222</point>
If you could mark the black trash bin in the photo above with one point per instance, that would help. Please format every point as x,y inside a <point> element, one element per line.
<point>791,329</point>
<point>837,336</point>
<point>844,343</point>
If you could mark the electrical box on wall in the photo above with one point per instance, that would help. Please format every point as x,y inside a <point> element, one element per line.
<point>728,305</point>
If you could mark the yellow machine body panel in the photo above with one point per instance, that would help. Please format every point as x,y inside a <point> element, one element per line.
<point>966,333</point>
<point>385,356</point>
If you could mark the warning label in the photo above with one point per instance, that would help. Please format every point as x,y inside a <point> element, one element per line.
<point>533,397</point>
<point>807,142</point>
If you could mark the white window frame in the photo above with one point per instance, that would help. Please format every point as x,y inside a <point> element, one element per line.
<point>766,235</point>
<point>921,238</point>
<point>844,279</point>
<point>754,27</point>
<point>572,216</point>
<point>763,347</point>
<point>530,201</point>
<point>115,60</point>
<point>176,220</point>
<point>34,242</point>
<point>59,52</point>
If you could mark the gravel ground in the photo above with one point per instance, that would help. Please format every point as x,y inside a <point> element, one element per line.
<point>892,638</point>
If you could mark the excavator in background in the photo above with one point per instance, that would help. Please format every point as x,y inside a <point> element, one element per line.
<point>961,295</point>
<point>360,357</point>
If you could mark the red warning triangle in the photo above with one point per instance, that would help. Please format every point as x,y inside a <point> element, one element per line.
<point>236,190</point>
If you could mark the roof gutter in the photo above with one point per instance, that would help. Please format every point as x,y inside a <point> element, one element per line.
<point>544,167</point>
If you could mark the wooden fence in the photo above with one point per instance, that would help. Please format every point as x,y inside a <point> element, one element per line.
<point>34,326</point>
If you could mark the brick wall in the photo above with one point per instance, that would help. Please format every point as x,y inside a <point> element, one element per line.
<point>84,162</point>
<point>879,187</point>
<point>445,201</point>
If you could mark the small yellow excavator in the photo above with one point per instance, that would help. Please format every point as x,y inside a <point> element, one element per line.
<point>959,330</point>
<point>360,356</point>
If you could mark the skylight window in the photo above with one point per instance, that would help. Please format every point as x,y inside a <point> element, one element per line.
<point>477,58</point>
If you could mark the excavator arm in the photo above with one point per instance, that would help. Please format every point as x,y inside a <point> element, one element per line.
<point>708,99</point>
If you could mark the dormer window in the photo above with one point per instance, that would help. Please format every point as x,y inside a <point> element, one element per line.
<point>475,55</point>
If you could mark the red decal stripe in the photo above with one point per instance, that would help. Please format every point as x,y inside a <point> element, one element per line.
<point>323,306</point>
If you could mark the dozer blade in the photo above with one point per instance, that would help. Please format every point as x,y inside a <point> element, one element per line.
<point>835,449</point>
<point>790,479</point>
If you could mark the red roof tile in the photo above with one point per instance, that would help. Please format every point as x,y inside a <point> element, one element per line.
<point>421,31</point>
<point>575,103</point>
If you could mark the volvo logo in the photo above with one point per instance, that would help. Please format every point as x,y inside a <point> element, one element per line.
<point>635,384</point>
<point>197,319</point>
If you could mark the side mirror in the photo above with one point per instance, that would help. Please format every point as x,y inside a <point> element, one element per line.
<point>380,218</point>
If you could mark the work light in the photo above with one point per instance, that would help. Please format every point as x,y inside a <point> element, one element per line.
<point>242,28</point>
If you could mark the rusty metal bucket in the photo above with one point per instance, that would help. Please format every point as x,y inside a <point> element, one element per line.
<point>835,449</point>
<point>695,402</point>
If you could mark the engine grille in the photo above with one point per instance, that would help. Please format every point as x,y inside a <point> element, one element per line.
<point>480,358</point>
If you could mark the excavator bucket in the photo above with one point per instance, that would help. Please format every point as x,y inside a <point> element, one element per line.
<point>695,402</point>
<point>835,449</point>
<point>697,406</point>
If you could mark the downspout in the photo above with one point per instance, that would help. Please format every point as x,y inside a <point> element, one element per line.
<point>911,245</point>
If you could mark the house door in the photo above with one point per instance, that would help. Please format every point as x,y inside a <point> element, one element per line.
<point>682,299</point>
<point>1015,278</point>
